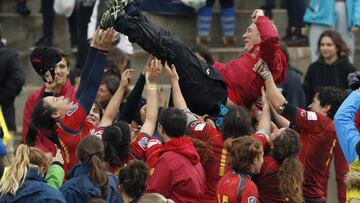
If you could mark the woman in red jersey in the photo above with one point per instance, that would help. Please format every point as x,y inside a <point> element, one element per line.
<point>246,158</point>
<point>282,174</point>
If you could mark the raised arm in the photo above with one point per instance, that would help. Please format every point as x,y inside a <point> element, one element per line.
<point>89,85</point>
<point>152,75</point>
<point>112,108</point>
<point>178,98</point>
<point>276,98</point>
<point>265,118</point>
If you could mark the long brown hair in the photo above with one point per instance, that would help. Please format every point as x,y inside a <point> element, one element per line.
<point>25,158</point>
<point>242,152</point>
<point>291,172</point>
<point>90,151</point>
<point>342,48</point>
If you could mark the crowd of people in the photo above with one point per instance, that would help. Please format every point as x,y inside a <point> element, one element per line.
<point>242,131</point>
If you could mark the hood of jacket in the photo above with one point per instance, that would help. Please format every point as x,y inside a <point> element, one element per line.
<point>183,146</point>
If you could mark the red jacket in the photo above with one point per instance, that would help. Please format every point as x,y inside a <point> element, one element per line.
<point>42,142</point>
<point>178,173</point>
<point>243,85</point>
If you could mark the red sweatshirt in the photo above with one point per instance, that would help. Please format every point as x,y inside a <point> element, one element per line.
<point>243,85</point>
<point>68,91</point>
<point>178,173</point>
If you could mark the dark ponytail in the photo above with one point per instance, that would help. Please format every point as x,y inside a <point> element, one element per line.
<point>97,173</point>
<point>291,172</point>
<point>116,140</point>
<point>40,118</point>
<point>90,151</point>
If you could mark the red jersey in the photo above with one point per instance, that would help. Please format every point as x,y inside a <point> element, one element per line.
<point>243,84</point>
<point>152,153</point>
<point>218,163</point>
<point>137,148</point>
<point>268,182</point>
<point>318,139</point>
<point>70,130</point>
<point>237,187</point>
<point>42,139</point>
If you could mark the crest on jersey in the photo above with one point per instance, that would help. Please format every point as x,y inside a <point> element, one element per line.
<point>143,142</point>
<point>72,110</point>
<point>252,199</point>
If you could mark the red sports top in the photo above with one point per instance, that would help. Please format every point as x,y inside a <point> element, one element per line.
<point>218,163</point>
<point>237,187</point>
<point>268,182</point>
<point>318,138</point>
<point>70,130</point>
<point>243,85</point>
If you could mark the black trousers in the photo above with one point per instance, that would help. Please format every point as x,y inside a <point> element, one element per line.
<point>48,15</point>
<point>223,3</point>
<point>203,87</point>
<point>296,11</point>
<point>83,18</point>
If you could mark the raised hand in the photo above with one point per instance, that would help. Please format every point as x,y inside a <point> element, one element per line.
<point>171,72</point>
<point>153,70</point>
<point>262,69</point>
<point>103,39</point>
<point>125,78</point>
<point>255,15</point>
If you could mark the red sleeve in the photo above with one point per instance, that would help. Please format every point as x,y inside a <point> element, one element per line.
<point>270,49</point>
<point>309,121</point>
<point>152,152</point>
<point>202,131</point>
<point>73,121</point>
<point>263,140</point>
<point>160,180</point>
<point>357,120</point>
<point>249,194</point>
<point>137,148</point>
<point>26,117</point>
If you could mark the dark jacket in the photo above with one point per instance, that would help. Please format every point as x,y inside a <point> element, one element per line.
<point>80,188</point>
<point>292,88</point>
<point>34,189</point>
<point>321,74</point>
<point>12,79</point>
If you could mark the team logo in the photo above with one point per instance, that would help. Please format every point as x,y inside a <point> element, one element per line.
<point>252,199</point>
<point>143,142</point>
<point>72,110</point>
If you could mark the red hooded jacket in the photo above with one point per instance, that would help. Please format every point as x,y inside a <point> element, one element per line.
<point>243,85</point>
<point>42,142</point>
<point>178,173</point>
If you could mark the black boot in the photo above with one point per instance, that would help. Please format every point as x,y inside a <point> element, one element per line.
<point>297,39</point>
<point>288,36</point>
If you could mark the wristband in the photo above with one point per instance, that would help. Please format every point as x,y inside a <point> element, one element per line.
<point>151,86</point>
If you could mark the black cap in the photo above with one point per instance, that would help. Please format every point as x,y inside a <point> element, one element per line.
<point>44,59</point>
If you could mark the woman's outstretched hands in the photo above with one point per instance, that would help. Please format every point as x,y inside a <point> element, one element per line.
<point>153,70</point>
<point>103,39</point>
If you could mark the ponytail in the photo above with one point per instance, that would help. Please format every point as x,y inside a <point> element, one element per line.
<point>291,177</point>
<point>97,173</point>
<point>291,172</point>
<point>90,151</point>
<point>40,118</point>
<point>25,158</point>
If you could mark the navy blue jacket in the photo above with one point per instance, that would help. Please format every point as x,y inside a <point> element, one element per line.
<point>80,188</point>
<point>34,189</point>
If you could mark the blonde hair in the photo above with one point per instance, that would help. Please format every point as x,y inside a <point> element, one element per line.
<point>25,158</point>
<point>154,198</point>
